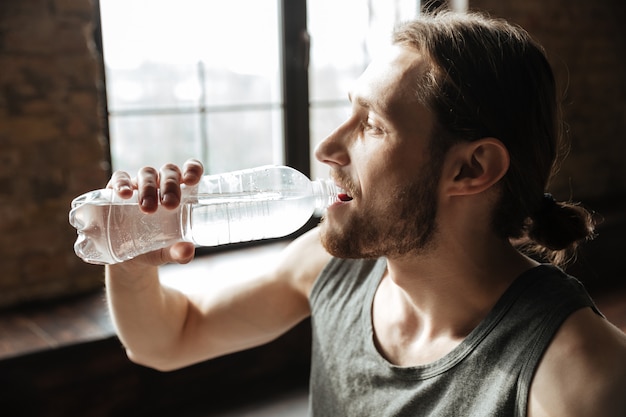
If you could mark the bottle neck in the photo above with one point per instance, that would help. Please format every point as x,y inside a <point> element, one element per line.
<point>326,193</point>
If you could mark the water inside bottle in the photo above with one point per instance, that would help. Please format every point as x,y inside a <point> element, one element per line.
<point>264,216</point>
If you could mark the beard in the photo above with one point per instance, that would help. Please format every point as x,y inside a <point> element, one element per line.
<point>406,225</point>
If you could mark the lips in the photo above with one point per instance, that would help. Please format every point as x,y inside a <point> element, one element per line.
<point>344,197</point>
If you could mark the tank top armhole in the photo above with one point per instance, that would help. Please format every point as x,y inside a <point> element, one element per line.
<point>321,280</point>
<point>529,369</point>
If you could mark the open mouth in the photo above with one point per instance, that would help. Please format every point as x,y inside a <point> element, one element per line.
<point>344,197</point>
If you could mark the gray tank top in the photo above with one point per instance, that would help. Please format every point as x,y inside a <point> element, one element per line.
<point>488,374</point>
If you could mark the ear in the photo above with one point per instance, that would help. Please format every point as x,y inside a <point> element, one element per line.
<point>473,167</point>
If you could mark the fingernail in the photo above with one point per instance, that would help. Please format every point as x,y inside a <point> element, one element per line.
<point>170,198</point>
<point>148,202</point>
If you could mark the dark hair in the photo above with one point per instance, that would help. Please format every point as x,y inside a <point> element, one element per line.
<point>489,78</point>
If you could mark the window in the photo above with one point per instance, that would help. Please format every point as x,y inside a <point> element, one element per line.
<point>208,79</point>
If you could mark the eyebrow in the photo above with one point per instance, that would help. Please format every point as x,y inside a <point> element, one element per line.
<point>362,102</point>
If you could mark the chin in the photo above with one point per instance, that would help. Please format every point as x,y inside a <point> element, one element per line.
<point>331,239</point>
<point>339,243</point>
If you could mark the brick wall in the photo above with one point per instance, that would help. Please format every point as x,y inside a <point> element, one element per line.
<point>586,44</point>
<point>52,146</point>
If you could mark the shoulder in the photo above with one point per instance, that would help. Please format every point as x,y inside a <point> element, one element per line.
<point>302,261</point>
<point>583,371</point>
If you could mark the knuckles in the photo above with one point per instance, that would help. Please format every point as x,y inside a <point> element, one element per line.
<point>149,179</point>
<point>148,172</point>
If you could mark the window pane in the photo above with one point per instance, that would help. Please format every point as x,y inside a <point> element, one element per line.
<point>153,85</point>
<point>243,140</point>
<point>154,140</point>
<point>338,55</point>
<point>224,87</point>
<point>166,57</point>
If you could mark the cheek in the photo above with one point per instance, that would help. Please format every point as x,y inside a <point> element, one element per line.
<point>381,165</point>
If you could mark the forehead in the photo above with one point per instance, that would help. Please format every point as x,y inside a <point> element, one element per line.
<point>389,86</point>
<point>391,78</point>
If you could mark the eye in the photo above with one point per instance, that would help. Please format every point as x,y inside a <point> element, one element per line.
<point>372,129</point>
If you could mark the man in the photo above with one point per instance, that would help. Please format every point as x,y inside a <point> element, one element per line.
<point>420,303</point>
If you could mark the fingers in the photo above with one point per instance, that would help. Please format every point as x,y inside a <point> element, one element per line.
<point>192,172</point>
<point>181,253</point>
<point>122,183</point>
<point>153,185</point>
<point>170,181</point>
<point>148,187</point>
<point>171,178</point>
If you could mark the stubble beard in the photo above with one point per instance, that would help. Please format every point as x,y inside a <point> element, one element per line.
<point>407,225</point>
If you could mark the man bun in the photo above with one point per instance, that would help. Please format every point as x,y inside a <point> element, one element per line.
<point>557,228</point>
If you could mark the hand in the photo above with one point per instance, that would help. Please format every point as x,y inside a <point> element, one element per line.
<point>163,184</point>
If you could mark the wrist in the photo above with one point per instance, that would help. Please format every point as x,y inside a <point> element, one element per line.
<point>131,274</point>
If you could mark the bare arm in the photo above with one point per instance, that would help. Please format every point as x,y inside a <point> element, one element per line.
<point>583,372</point>
<point>166,329</point>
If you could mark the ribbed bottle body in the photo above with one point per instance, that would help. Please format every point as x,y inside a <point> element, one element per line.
<point>259,203</point>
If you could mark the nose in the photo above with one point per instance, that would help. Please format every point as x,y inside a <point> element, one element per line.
<point>333,150</point>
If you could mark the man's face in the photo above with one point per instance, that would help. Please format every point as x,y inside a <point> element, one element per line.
<point>380,157</point>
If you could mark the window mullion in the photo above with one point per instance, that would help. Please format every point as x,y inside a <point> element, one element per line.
<point>295,78</point>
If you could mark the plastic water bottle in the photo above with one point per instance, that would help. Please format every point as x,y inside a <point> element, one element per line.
<point>259,203</point>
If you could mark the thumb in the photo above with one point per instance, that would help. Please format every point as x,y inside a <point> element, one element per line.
<point>180,253</point>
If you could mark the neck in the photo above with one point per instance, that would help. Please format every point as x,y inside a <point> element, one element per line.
<point>432,301</point>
